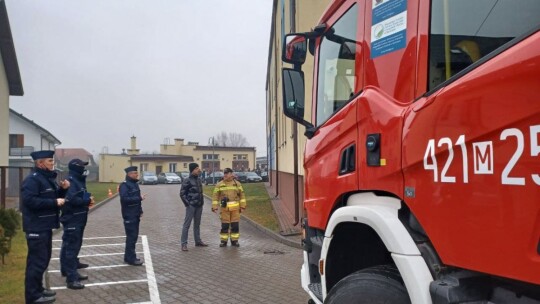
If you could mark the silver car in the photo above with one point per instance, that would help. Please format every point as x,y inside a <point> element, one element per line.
<point>169,178</point>
<point>148,177</point>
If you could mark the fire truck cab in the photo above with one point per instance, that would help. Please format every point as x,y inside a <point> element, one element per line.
<point>422,164</point>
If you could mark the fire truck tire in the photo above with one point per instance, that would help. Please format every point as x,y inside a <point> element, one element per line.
<point>379,284</point>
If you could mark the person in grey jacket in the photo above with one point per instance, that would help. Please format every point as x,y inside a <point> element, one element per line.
<point>192,197</point>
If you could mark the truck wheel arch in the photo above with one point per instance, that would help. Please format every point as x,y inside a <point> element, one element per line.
<point>380,213</point>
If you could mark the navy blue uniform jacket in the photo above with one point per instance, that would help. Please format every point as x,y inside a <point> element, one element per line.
<point>39,192</point>
<point>130,198</point>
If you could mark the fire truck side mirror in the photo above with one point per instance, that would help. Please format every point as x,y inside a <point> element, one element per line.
<point>294,49</point>
<point>293,95</point>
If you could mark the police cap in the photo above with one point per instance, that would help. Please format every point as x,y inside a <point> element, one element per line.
<point>42,154</point>
<point>130,169</point>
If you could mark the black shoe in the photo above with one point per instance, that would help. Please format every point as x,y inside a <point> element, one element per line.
<point>82,265</point>
<point>48,293</point>
<point>45,300</point>
<point>184,247</point>
<point>137,262</point>
<point>83,277</point>
<point>223,244</point>
<point>235,244</point>
<point>201,244</point>
<point>75,285</point>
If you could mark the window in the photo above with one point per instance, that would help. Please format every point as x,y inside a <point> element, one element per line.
<point>474,29</point>
<point>239,156</point>
<point>144,167</point>
<point>172,167</point>
<point>16,140</point>
<point>336,70</point>
<point>210,156</point>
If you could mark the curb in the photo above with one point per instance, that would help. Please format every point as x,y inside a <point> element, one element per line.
<point>267,231</point>
<point>272,234</point>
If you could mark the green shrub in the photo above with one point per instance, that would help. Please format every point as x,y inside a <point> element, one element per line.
<point>9,221</point>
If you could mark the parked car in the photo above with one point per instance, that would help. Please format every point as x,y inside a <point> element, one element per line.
<point>183,174</point>
<point>264,176</point>
<point>252,177</point>
<point>213,178</point>
<point>148,177</point>
<point>169,178</point>
<point>240,176</point>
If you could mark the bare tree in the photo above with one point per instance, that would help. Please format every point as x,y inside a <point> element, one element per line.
<point>230,140</point>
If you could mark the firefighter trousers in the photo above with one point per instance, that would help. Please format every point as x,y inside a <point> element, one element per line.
<point>230,225</point>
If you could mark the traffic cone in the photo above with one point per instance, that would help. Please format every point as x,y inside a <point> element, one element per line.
<point>110,193</point>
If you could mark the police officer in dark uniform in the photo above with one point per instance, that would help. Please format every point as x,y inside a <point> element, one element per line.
<point>73,218</point>
<point>41,198</point>
<point>131,199</point>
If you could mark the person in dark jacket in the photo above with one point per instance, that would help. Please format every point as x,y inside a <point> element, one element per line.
<point>131,200</point>
<point>73,218</point>
<point>192,197</point>
<point>41,197</point>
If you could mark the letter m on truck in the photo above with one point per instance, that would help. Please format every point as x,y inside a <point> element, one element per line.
<point>422,163</point>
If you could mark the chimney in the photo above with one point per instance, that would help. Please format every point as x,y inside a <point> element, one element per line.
<point>133,150</point>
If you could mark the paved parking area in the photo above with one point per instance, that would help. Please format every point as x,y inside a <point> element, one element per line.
<point>262,270</point>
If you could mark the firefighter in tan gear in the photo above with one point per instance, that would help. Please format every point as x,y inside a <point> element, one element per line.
<point>229,196</point>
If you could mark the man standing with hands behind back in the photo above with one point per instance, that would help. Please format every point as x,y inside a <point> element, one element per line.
<point>191,194</point>
<point>131,200</point>
<point>41,198</point>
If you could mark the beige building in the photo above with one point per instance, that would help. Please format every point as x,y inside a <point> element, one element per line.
<point>10,81</point>
<point>285,139</point>
<point>176,158</point>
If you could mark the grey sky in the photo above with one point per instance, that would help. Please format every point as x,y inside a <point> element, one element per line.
<point>96,72</point>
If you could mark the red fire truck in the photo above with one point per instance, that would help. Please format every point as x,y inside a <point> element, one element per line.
<point>422,164</point>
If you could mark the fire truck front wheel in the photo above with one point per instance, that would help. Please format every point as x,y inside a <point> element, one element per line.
<point>379,284</point>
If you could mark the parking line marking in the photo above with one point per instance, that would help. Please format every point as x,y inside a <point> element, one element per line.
<point>152,285</point>
<point>100,245</point>
<point>96,267</point>
<point>98,254</point>
<point>104,283</point>
<point>96,238</point>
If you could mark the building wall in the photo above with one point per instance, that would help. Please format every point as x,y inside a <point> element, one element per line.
<point>280,129</point>
<point>4,117</point>
<point>111,167</point>
<point>32,136</point>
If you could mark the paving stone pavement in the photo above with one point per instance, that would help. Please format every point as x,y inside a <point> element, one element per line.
<point>262,270</point>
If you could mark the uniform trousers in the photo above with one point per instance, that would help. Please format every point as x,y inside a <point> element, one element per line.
<point>131,226</point>
<point>71,246</point>
<point>39,254</point>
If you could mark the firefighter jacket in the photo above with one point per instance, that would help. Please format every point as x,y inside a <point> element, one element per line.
<point>39,192</point>
<point>75,210</point>
<point>191,192</point>
<point>232,192</point>
<point>130,198</point>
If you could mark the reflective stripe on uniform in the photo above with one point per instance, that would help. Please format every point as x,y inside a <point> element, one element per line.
<point>224,236</point>
<point>235,236</point>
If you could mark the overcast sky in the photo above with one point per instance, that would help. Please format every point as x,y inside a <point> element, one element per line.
<point>96,72</point>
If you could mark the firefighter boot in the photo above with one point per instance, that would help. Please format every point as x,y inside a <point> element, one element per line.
<point>223,244</point>
<point>235,244</point>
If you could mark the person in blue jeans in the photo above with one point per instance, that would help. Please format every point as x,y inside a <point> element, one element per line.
<point>131,200</point>
<point>74,217</point>
<point>192,197</point>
